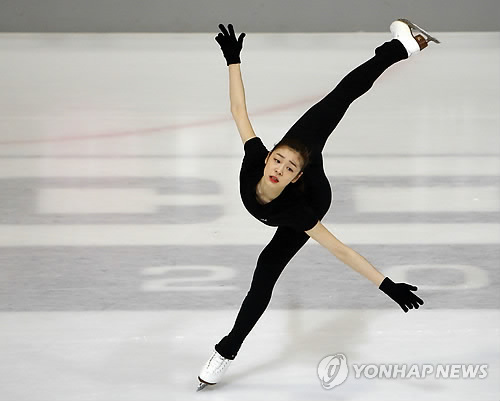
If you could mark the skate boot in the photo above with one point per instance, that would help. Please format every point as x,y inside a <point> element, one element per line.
<point>403,30</point>
<point>213,370</point>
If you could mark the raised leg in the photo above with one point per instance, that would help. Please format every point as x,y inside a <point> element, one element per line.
<point>316,125</point>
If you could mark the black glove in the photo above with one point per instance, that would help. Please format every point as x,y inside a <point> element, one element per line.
<point>401,294</point>
<point>231,47</point>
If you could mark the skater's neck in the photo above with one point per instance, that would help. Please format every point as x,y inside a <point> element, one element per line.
<point>264,193</point>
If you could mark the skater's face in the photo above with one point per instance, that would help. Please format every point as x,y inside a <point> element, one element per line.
<point>283,166</point>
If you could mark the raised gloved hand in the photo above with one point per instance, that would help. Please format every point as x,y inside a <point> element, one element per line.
<point>401,293</point>
<point>231,47</point>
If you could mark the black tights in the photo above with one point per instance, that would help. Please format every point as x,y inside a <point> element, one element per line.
<point>313,129</point>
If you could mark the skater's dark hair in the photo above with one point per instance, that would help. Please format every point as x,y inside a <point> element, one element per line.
<point>298,146</point>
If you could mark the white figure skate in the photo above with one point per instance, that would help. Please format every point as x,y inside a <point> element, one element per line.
<point>403,30</point>
<point>213,370</point>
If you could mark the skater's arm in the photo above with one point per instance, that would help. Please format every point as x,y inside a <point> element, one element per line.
<point>244,126</point>
<point>236,89</point>
<point>238,104</point>
<point>345,254</point>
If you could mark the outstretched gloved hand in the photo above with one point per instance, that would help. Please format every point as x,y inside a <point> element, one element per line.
<point>231,47</point>
<point>401,293</point>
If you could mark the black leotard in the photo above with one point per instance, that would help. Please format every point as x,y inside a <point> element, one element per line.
<point>313,128</point>
<point>289,209</point>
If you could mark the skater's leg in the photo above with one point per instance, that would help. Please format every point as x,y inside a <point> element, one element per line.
<point>272,261</point>
<point>315,126</point>
<point>317,189</point>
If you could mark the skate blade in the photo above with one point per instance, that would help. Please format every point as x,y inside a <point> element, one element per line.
<point>429,38</point>
<point>203,384</point>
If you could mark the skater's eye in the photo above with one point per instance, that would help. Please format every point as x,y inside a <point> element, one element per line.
<point>278,161</point>
<point>289,169</point>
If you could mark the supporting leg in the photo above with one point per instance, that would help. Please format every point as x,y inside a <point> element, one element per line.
<point>272,261</point>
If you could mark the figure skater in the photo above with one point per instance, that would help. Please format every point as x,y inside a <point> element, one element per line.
<point>287,187</point>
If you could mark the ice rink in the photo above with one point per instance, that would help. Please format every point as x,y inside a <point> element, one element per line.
<point>125,250</point>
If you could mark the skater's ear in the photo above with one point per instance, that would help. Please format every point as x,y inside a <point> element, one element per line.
<point>267,158</point>
<point>297,178</point>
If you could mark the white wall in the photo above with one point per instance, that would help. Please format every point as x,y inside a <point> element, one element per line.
<point>246,15</point>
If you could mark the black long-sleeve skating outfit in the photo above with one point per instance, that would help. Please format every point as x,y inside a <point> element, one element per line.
<point>294,212</point>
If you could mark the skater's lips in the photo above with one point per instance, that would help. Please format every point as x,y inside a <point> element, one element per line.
<point>274,179</point>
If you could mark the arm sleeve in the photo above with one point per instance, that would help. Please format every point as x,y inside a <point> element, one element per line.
<point>255,151</point>
<point>309,219</point>
<point>303,218</point>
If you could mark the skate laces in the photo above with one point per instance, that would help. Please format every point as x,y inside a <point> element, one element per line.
<point>218,363</point>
